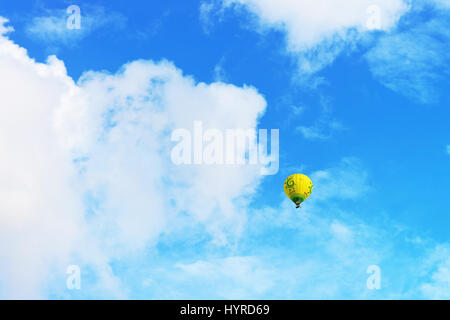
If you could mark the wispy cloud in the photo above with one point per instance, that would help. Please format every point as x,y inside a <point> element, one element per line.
<point>348,180</point>
<point>322,130</point>
<point>325,126</point>
<point>208,11</point>
<point>414,62</point>
<point>437,270</point>
<point>52,27</point>
<point>441,3</point>
<point>236,277</point>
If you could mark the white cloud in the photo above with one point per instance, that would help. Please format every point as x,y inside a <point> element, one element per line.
<point>317,31</point>
<point>85,171</point>
<point>41,216</point>
<point>141,104</point>
<point>3,28</point>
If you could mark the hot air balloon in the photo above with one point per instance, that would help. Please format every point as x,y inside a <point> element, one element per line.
<point>298,188</point>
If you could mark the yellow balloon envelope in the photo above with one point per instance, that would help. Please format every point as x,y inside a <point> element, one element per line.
<point>298,188</point>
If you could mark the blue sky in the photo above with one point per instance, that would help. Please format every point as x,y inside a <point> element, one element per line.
<point>363,112</point>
